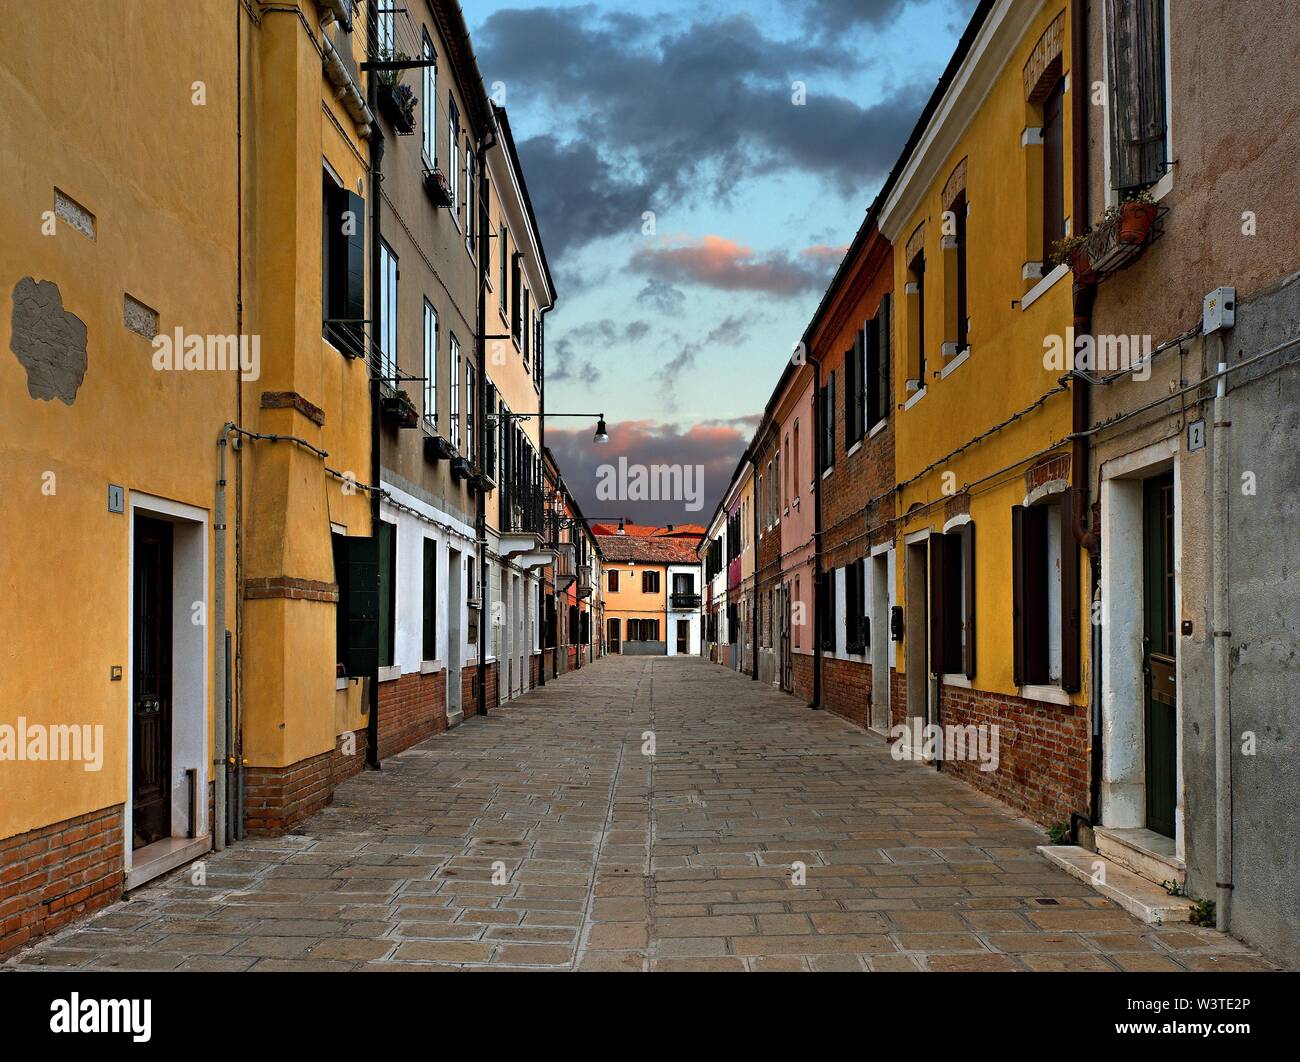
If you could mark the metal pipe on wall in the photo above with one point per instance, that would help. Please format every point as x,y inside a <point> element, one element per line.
<point>1222,636</point>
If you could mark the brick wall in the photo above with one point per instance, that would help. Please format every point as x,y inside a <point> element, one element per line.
<point>57,873</point>
<point>469,688</point>
<point>278,798</point>
<point>411,708</point>
<point>802,668</point>
<point>846,689</point>
<point>897,697</point>
<point>1042,751</point>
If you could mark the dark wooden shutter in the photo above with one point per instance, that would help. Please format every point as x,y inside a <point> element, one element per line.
<point>851,372</point>
<point>884,353</point>
<point>387,592</point>
<point>1136,51</point>
<point>346,255</point>
<point>429,631</point>
<point>1070,640</point>
<point>1053,169</point>
<point>1017,594</point>
<point>871,369</point>
<point>830,421</point>
<point>356,570</point>
<point>938,618</point>
<point>1034,588</point>
<point>968,574</point>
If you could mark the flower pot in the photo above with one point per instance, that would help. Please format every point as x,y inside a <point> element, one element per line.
<point>1081,266</point>
<point>1135,221</point>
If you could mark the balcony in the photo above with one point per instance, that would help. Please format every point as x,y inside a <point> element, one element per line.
<point>684,601</point>
<point>565,566</point>
<point>584,580</point>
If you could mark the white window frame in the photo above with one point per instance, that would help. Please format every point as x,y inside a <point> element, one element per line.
<point>430,363</point>
<point>429,114</point>
<point>453,162</point>
<point>455,390</point>
<point>388,323</point>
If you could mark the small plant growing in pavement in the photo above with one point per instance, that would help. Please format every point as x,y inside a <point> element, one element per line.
<point>1059,832</point>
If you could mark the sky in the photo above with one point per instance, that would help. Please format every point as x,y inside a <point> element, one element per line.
<point>697,171</point>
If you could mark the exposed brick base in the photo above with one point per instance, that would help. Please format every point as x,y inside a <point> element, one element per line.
<point>469,688</point>
<point>278,798</point>
<point>57,873</point>
<point>897,697</point>
<point>801,669</point>
<point>1042,752</point>
<point>411,708</point>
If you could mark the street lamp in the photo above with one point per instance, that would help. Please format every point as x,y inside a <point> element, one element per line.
<point>601,437</point>
<point>602,434</point>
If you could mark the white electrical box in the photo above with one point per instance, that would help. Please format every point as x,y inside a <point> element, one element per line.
<point>1218,310</point>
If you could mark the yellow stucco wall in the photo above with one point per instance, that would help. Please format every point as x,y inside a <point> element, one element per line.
<point>628,602</point>
<point>1005,372</point>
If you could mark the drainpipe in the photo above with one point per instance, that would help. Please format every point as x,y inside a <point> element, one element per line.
<point>376,314</point>
<point>816,365</point>
<point>1222,634</point>
<point>221,729</point>
<point>485,143</point>
<point>1081,396</point>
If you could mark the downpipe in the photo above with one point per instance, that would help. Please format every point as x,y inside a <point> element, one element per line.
<point>1222,636</point>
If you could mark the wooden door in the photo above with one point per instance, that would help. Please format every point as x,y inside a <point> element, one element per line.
<point>152,681</point>
<point>1159,653</point>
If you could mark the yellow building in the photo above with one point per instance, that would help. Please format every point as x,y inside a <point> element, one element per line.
<point>651,586</point>
<point>179,440</point>
<point>990,566</point>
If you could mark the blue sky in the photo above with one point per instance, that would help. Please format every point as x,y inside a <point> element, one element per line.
<point>686,110</point>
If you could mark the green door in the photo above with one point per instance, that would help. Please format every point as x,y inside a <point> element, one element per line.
<point>1159,648</point>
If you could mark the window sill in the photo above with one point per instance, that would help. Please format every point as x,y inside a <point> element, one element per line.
<point>955,679</point>
<point>391,673</point>
<point>341,682</point>
<point>1047,694</point>
<point>853,449</point>
<point>826,472</point>
<point>429,667</point>
<point>920,394</point>
<point>877,428</point>
<point>957,360</point>
<point>1043,286</point>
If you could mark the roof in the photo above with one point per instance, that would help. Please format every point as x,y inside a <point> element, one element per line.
<point>647,550</point>
<point>680,531</point>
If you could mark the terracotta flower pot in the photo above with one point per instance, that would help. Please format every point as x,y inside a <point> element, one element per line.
<point>1135,221</point>
<point>1081,266</point>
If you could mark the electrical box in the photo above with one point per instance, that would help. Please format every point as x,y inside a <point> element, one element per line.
<point>1218,310</point>
<point>896,622</point>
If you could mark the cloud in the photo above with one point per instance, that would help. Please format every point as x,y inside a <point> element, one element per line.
<point>575,349</point>
<point>660,113</point>
<point>714,446</point>
<point>662,296</point>
<point>718,262</point>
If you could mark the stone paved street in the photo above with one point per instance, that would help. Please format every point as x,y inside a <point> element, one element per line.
<point>614,860</point>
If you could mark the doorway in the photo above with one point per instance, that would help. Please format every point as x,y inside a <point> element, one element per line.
<point>783,617</point>
<point>152,705</point>
<point>1159,664</point>
<point>455,631</point>
<point>612,634</point>
<point>683,637</point>
<point>916,628</point>
<point>879,632</point>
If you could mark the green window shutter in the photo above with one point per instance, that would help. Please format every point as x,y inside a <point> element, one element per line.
<point>356,570</point>
<point>387,568</point>
<point>429,632</point>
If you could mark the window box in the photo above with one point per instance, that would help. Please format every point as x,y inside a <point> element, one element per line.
<point>436,448</point>
<point>397,103</point>
<point>437,188</point>
<point>1136,220</point>
<point>400,410</point>
<point>460,469</point>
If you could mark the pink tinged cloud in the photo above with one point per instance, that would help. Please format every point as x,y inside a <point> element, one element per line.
<point>717,262</point>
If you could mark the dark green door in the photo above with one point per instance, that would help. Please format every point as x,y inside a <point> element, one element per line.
<point>1159,649</point>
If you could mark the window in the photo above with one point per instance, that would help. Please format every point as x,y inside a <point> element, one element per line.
<point>470,399</point>
<point>792,466</point>
<point>683,583</point>
<point>828,423</point>
<point>387,591</point>
<point>387,314</point>
<point>613,581</point>
<point>857,625</point>
<point>776,487</point>
<point>1053,168</point>
<point>1135,48</point>
<point>469,199</point>
<point>952,602</point>
<point>387,30</point>
<point>429,104</point>
<point>343,266</point>
<point>959,272</point>
<point>642,630</point>
<point>455,391</point>
<point>453,148</point>
<point>825,589</point>
<point>854,402</point>
<point>877,339</point>
<point>526,320</point>
<point>1045,594</point>
<point>785,482</point>
<point>515,295</point>
<point>429,625</point>
<point>356,625</point>
<point>503,297</point>
<point>430,364</point>
<point>649,582</point>
<point>916,278</point>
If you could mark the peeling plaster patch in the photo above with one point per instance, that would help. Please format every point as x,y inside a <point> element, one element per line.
<point>49,341</point>
<point>138,317</point>
<point>74,213</point>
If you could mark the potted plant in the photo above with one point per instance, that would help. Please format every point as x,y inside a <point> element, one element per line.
<point>1136,216</point>
<point>1071,250</point>
<point>396,99</point>
<point>400,409</point>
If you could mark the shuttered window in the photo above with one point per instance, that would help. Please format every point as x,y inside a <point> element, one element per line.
<point>429,628</point>
<point>1053,168</point>
<point>387,592</point>
<point>952,601</point>
<point>825,587</point>
<point>853,380</point>
<point>1138,105</point>
<point>649,582</point>
<point>856,625</point>
<point>356,571</point>
<point>343,260</point>
<point>876,357</point>
<point>1045,595</point>
<point>828,424</point>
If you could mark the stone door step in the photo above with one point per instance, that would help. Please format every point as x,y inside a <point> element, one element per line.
<point>1138,896</point>
<point>1144,852</point>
